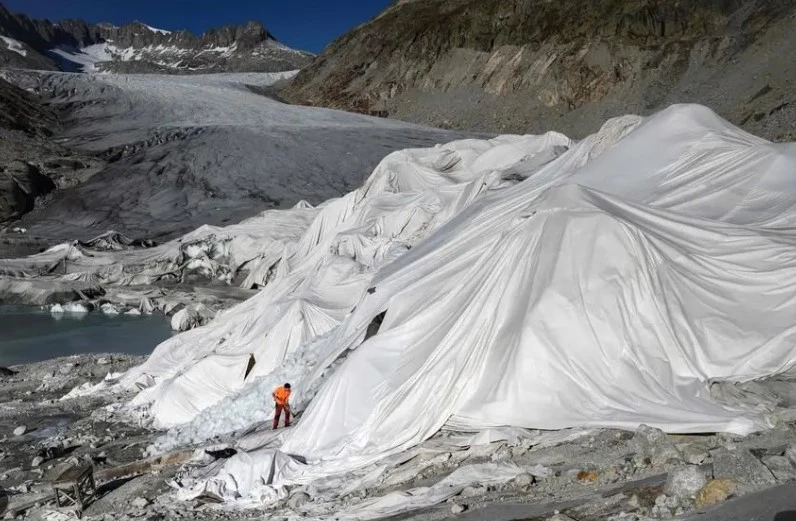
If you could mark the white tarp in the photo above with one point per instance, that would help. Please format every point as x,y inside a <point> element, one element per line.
<point>317,281</point>
<point>252,246</point>
<point>607,289</point>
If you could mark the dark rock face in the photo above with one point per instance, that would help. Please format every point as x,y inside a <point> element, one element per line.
<point>136,47</point>
<point>20,185</point>
<point>20,110</point>
<point>31,163</point>
<point>533,65</point>
<point>24,125</point>
<point>42,35</point>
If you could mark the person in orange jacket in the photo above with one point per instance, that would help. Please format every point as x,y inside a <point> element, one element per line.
<point>281,395</point>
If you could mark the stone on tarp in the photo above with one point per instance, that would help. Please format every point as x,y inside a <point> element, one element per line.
<point>140,502</point>
<point>298,499</point>
<point>540,471</point>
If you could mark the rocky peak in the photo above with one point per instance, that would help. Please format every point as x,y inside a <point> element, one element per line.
<point>246,36</point>
<point>135,35</point>
<point>248,47</point>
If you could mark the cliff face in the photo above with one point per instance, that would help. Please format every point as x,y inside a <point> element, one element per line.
<point>531,65</point>
<point>137,47</point>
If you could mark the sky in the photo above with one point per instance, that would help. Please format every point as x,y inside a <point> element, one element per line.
<point>304,24</point>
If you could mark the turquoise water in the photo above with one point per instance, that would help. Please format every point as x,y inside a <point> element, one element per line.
<point>29,334</point>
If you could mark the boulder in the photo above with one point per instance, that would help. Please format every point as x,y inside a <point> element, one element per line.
<point>742,467</point>
<point>573,474</point>
<point>790,453</point>
<point>140,502</point>
<point>473,491</point>
<point>781,467</point>
<point>524,480</point>
<point>457,508</point>
<point>660,508</point>
<point>19,431</point>
<point>298,499</point>
<point>685,482</point>
<point>715,491</point>
<point>693,454</point>
<point>654,444</point>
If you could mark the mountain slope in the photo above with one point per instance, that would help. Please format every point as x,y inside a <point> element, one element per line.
<point>74,45</point>
<point>32,164</point>
<point>531,65</point>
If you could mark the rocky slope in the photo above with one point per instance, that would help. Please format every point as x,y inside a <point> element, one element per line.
<point>32,164</point>
<point>75,45</point>
<point>602,475</point>
<point>532,65</point>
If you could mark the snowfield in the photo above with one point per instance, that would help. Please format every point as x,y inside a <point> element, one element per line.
<point>523,281</point>
<point>88,58</point>
<point>14,45</point>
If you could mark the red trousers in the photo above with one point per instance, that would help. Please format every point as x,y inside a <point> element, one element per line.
<point>278,413</point>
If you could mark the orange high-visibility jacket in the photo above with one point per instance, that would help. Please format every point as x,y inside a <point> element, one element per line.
<point>281,395</point>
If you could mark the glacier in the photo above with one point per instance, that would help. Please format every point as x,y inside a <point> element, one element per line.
<point>525,281</point>
<point>521,281</point>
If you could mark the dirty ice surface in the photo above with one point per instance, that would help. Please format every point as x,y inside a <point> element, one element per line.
<point>186,151</point>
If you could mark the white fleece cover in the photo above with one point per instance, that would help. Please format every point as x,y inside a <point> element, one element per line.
<point>528,281</point>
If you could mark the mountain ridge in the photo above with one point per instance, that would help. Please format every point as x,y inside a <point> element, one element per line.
<point>531,65</point>
<point>78,46</point>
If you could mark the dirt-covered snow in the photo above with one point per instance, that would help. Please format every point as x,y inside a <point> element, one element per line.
<point>185,151</point>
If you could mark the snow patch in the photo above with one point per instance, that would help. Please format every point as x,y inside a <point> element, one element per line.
<point>226,50</point>
<point>90,58</point>
<point>155,30</point>
<point>14,45</point>
<point>87,58</point>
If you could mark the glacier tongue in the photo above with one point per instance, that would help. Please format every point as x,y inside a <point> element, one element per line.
<point>317,282</point>
<point>607,289</point>
<point>523,281</point>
